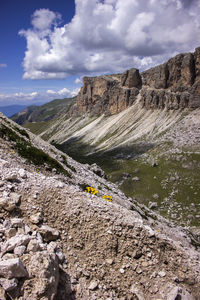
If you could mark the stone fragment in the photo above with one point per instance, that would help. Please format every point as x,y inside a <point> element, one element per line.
<point>16,198</point>
<point>20,250</point>
<point>153,205</point>
<point>137,254</point>
<point>8,284</point>
<point>48,233</point>
<point>15,241</point>
<point>12,178</point>
<point>137,292</point>
<point>98,171</point>
<point>36,218</point>
<point>22,173</point>
<point>10,232</point>
<point>109,261</point>
<point>135,178</point>
<point>44,268</point>
<point>12,268</point>
<point>60,255</point>
<point>93,285</point>
<point>162,274</point>
<point>33,245</point>
<point>7,204</point>
<point>17,222</point>
<point>52,247</point>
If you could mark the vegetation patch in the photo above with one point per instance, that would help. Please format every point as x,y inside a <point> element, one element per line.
<point>31,153</point>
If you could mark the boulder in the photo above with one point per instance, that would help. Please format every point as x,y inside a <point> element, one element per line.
<point>8,284</point>
<point>44,268</point>
<point>48,233</point>
<point>12,268</point>
<point>15,241</point>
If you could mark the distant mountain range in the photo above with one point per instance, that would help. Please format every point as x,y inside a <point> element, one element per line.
<point>38,118</point>
<point>10,110</point>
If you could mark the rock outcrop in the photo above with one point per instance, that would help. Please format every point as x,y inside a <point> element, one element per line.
<point>172,85</point>
<point>109,94</point>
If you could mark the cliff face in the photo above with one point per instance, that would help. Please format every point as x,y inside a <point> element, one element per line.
<point>110,94</point>
<point>172,85</point>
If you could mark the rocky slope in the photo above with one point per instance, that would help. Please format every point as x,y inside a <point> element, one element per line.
<point>59,242</point>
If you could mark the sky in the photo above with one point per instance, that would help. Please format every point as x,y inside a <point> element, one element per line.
<point>47,46</point>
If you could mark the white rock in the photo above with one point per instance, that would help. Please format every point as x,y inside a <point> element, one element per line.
<point>22,173</point>
<point>17,222</point>
<point>162,274</point>
<point>15,241</point>
<point>93,285</point>
<point>12,268</point>
<point>122,271</point>
<point>36,218</point>
<point>20,250</point>
<point>60,255</point>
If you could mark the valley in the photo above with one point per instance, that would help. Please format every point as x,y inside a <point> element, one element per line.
<point>127,123</point>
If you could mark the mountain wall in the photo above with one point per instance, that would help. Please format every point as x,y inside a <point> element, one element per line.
<point>172,85</point>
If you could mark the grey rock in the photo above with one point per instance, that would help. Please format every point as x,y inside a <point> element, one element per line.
<point>20,250</point>
<point>137,292</point>
<point>8,284</point>
<point>16,198</point>
<point>98,171</point>
<point>15,241</point>
<point>12,268</point>
<point>135,178</point>
<point>7,205</point>
<point>153,205</point>
<point>48,233</point>
<point>33,246</point>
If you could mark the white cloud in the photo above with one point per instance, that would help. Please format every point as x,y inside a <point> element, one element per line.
<point>109,36</point>
<point>77,81</point>
<point>35,97</point>
<point>3,65</point>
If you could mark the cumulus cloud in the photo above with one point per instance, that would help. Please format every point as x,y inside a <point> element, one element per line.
<point>35,97</point>
<point>77,81</point>
<point>109,36</point>
<point>3,65</point>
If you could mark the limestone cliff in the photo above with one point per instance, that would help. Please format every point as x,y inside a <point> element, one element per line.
<point>172,85</point>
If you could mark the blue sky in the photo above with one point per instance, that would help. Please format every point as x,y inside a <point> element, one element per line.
<point>47,46</point>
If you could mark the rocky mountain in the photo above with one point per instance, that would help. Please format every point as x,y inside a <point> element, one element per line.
<point>173,85</point>
<point>129,122</point>
<point>68,233</point>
